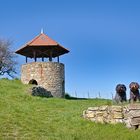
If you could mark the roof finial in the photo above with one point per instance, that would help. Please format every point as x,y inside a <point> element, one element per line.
<point>42,31</point>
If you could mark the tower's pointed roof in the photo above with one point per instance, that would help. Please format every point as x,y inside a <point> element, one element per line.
<point>42,46</point>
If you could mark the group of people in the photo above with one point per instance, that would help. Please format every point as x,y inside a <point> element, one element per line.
<point>121,93</point>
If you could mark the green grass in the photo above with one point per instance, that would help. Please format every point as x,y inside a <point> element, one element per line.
<point>23,117</point>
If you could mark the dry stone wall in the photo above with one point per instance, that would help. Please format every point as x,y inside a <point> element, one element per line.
<point>129,115</point>
<point>49,75</point>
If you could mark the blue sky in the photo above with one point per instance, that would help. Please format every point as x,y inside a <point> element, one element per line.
<point>103,37</point>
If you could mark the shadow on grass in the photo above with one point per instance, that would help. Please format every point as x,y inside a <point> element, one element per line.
<point>68,97</point>
<point>74,98</point>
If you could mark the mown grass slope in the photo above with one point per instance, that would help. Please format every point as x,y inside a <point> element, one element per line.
<point>34,118</point>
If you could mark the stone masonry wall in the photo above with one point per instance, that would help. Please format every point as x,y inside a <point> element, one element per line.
<point>49,75</point>
<point>129,115</point>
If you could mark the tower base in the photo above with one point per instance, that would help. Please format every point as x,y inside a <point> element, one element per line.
<point>49,75</point>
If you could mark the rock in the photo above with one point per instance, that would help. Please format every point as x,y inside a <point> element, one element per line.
<point>105,115</point>
<point>116,108</point>
<point>106,120</point>
<point>134,107</point>
<point>127,123</point>
<point>40,91</point>
<point>93,108</point>
<point>112,121</point>
<point>119,120</point>
<point>117,115</point>
<point>135,121</point>
<point>91,115</point>
<point>99,113</point>
<point>100,119</point>
<point>133,114</point>
<point>93,119</point>
<point>125,110</point>
<point>103,108</point>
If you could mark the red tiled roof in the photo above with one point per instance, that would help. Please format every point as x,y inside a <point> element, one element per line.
<point>44,44</point>
<point>42,40</point>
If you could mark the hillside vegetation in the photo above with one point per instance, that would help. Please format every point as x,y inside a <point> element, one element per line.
<point>24,117</point>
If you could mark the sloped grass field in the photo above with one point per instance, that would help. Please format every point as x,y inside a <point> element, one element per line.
<point>24,117</point>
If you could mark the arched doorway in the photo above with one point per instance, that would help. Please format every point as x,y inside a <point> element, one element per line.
<point>33,82</point>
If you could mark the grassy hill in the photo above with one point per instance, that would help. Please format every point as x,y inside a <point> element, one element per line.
<point>24,117</point>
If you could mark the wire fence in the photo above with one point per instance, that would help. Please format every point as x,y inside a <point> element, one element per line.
<point>91,95</point>
<point>95,95</point>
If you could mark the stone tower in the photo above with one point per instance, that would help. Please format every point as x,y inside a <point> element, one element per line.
<point>50,75</point>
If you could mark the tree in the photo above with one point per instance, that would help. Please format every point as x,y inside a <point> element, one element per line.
<point>7,62</point>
